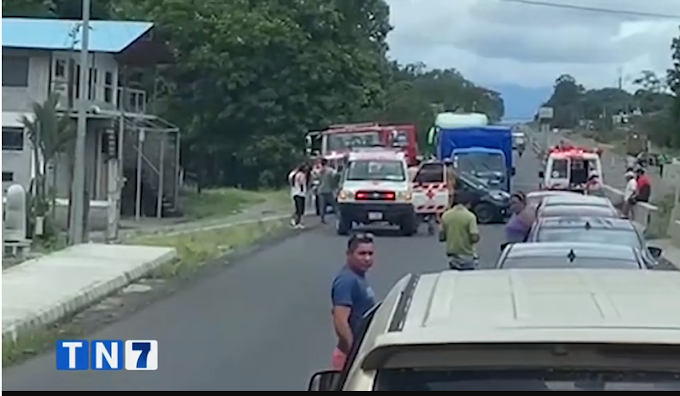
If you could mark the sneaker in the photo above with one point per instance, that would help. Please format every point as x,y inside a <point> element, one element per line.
<point>300,226</point>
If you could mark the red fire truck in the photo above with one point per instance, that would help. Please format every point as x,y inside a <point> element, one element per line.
<point>340,139</point>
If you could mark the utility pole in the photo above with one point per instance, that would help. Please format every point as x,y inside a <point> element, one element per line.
<point>78,188</point>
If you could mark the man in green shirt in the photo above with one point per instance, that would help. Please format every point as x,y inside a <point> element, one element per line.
<point>460,233</point>
<point>327,177</point>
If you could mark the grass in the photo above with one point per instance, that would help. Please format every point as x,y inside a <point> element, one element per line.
<point>226,201</point>
<point>195,250</point>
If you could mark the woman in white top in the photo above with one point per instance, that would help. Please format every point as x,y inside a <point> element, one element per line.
<point>629,195</point>
<point>298,191</point>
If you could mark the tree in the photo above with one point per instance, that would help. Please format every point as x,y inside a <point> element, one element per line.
<point>50,134</point>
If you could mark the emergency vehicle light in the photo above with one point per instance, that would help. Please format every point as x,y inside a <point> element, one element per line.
<point>385,196</point>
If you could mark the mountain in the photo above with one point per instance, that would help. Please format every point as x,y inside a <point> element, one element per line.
<point>521,103</point>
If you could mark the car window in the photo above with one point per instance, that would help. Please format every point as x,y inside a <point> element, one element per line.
<point>563,262</point>
<point>618,237</point>
<point>524,380</point>
<point>574,210</point>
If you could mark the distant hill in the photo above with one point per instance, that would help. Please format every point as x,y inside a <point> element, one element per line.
<point>521,103</point>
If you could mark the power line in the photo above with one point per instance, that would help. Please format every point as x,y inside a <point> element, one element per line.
<point>594,9</point>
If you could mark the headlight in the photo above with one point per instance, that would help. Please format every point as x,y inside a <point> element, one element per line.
<point>405,195</point>
<point>499,195</point>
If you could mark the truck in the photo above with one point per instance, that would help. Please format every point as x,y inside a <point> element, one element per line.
<point>341,139</point>
<point>636,144</point>
<point>482,151</point>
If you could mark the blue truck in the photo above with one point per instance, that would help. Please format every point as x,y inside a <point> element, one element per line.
<point>484,151</point>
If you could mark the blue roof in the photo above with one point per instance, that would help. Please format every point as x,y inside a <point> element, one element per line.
<point>54,34</point>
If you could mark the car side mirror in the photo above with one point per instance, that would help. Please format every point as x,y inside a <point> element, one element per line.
<point>655,251</point>
<point>324,381</point>
<point>541,174</point>
<point>504,245</point>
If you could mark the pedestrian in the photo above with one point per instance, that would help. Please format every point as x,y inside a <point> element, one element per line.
<point>522,219</point>
<point>298,191</point>
<point>644,186</point>
<point>661,161</point>
<point>594,185</point>
<point>629,195</point>
<point>460,232</point>
<point>351,295</point>
<point>327,183</point>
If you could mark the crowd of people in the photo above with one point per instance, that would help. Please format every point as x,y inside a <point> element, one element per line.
<point>318,179</point>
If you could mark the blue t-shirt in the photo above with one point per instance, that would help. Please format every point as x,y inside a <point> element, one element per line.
<point>350,289</point>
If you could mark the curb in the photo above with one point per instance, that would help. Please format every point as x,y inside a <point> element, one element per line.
<point>87,297</point>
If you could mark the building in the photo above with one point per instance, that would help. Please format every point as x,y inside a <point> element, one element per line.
<point>125,141</point>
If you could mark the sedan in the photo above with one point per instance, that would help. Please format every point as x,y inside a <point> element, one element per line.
<point>556,255</point>
<point>536,197</point>
<point>581,229</point>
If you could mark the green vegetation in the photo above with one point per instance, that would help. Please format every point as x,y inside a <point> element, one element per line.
<point>653,109</point>
<point>200,248</point>
<point>250,77</point>
<point>222,202</point>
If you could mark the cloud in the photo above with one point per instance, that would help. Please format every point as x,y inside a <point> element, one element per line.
<point>500,42</point>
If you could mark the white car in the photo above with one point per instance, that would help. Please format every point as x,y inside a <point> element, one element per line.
<point>569,169</point>
<point>518,330</point>
<point>375,188</point>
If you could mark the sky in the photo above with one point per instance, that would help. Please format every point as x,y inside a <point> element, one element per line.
<point>497,42</point>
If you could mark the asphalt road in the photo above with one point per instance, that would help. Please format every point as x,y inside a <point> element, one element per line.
<point>262,325</point>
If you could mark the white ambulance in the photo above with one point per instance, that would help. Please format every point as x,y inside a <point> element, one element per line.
<point>569,168</point>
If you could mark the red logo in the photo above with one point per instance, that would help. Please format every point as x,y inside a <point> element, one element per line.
<point>430,194</point>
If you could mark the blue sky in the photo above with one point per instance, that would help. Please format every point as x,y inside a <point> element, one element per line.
<point>499,44</point>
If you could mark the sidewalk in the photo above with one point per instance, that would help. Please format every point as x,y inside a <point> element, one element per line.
<point>43,290</point>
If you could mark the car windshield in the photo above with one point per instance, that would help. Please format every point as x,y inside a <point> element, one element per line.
<point>480,163</point>
<point>574,210</point>
<point>604,236</point>
<point>344,140</point>
<point>525,380</point>
<point>386,170</point>
<point>564,262</point>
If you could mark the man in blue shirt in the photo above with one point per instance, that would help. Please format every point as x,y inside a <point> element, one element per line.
<point>351,295</point>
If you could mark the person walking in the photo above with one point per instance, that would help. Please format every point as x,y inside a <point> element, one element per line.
<point>629,195</point>
<point>644,186</point>
<point>351,295</point>
<point>298,191</point>
<point>327,184</point>
<point>460,233</point>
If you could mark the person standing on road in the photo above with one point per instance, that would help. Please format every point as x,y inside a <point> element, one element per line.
<point>351,295</point>
<point>327,184</point>
<point>460,233</point>
<point>298,191</point>
<point>644,186</point>
<point>629,195</point>
<point>523,217</point>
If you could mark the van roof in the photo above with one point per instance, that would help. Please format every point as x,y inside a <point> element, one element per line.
<point>536,305</point>
<point>384,154</point>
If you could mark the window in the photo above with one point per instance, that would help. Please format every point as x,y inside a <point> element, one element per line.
<point>76,78</point>
<point>60,68</point>
<point>15,71</point>
<point>7,176</point>
<point>92,94</point>
<point>108,87</point>
<point>387,170</point>
<point>13,139</point>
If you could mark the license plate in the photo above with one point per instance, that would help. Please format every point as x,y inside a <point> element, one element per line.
<point>375,216</point>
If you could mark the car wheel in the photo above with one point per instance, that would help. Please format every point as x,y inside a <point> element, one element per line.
<point>485,213</point>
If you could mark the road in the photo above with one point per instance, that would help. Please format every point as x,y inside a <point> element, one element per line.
<point>262,325</point>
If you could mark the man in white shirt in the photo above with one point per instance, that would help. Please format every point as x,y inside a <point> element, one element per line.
<point>629,195</point>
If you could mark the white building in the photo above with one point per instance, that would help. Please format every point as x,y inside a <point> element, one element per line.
<point>40,56</point>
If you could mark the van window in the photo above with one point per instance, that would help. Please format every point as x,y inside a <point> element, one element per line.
<point>430,173</point>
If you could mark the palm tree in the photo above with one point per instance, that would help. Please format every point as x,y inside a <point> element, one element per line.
<point>50,134</point>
